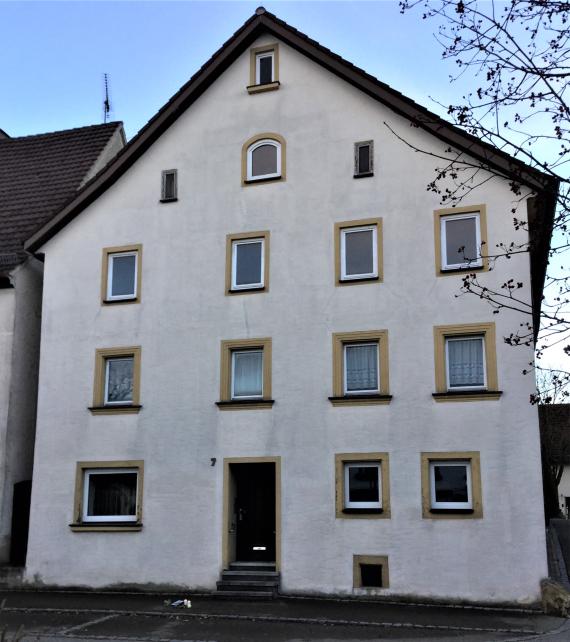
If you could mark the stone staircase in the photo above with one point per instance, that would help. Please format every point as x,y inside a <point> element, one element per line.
<point>249,580</point>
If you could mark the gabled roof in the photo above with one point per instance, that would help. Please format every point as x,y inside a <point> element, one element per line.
<point>38,176</point>
<point>263,22</point>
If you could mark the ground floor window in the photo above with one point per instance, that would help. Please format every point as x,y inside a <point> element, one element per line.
<point>108,495</point>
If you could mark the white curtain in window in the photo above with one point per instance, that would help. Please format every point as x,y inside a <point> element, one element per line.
<point>466,362</point>
<point>248,371</point>
<point>361,367</point>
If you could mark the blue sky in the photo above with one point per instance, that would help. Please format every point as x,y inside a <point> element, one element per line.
<point>53,54</point>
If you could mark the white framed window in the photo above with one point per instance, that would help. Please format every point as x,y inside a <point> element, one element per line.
<point>247,374</point>
<point>461,241</point>
<point>359,252</point>
<point>122,275</point>
<point>264,67</point>
<point>169,185</point>
<point>450,484</point>
<point>110,495</point>
<point>264,160</point>
<point>361,368</point>
<point>364,158</point>
<point>248,264</point>
<point>119,380</point>
<point>362,485</point>
<point>465,362</point>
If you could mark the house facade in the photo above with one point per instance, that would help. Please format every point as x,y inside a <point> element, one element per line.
<point>38,175</point>
<point>259,357</point>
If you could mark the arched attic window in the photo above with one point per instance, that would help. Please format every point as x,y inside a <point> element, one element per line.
<point>263,158</point>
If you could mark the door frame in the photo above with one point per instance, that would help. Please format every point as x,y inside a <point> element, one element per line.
<point>227,509</point>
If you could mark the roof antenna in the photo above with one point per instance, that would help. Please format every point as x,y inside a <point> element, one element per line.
<point>107,100</point>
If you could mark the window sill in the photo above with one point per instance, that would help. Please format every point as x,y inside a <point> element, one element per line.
<point>255,181</point>
<point>364,279</point>
<point>127,409</point>
<point>247,291</point>
<point>119,301</point>
<point>465,395</point>
<point>462,270</point>
<point>108,527</point>
<point>360,400</point>
<point>168,200</point>
<point>268,86</point>
<point>245,404</point>
<point>364,175</point>
<point>362,511</point>
<point>451,511</point>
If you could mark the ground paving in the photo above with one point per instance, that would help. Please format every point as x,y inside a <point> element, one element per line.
<point>85,617</point>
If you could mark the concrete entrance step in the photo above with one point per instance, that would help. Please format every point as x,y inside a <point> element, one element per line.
<point>246,595</point>
<point>259,576</point>
<point>252,566</point>
<point>258,580</point>
<point>247,585</point>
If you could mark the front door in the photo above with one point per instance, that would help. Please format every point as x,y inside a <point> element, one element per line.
<point>254,511</point>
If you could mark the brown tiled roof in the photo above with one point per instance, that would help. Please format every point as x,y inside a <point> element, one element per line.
<point>262,22</point>
<point>38,176</point>
<point>554,420</point>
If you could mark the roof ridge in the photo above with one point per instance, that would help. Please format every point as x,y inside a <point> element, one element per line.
<point>114,124</point>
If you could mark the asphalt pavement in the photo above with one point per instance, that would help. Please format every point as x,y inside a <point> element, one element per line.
<point>89,616</point>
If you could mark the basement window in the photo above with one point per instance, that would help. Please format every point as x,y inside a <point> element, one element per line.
<point>370,572</point>
<point>371,575</point>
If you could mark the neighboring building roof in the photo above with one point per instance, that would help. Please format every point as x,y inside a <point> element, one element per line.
<point>554,420</point>
<point>3,134</point>
<point>38,176</point>
<point>540,219</point>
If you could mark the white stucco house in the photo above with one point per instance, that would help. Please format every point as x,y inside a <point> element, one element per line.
<point>254,369</point>
<point>38,175</point>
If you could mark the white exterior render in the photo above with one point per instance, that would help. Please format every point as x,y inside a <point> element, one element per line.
<point>184,314</point>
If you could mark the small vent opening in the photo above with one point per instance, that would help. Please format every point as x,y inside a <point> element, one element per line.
<point>169,185</point>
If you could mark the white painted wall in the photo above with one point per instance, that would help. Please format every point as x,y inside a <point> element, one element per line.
<point>7,306</point>
<point>20,431</point>
<point>184,315</point>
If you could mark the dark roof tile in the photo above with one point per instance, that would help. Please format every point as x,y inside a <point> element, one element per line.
<point>38,175</point>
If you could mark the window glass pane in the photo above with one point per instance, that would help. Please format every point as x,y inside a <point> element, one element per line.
<point>461,240</point>
<point>363,484</point>
<point>363,159</point>
<point>361,367</point>
<point>359,252</point>
<point>264,160</point>
<point>120,380</point>
<point>450,483</point>
<point>466,362</point>
<point>248,373</point>
<point>112,494</point>
<point>123,275</point>
<point>371,574</point>
<point>265,69</point>
<point>169,185</point>
<point>248,263</point>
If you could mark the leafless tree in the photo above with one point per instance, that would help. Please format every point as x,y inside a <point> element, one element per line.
<point>516,55</point>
